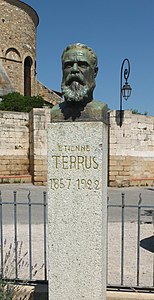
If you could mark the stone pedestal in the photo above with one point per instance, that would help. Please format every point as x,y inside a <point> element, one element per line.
<point>77,201</point>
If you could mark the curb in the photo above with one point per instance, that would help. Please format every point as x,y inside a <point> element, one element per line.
<point>129,296</point>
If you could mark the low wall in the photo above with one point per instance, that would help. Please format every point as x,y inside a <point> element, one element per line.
<point>131,149</point>
<point>14,146</point>
<point>23,148</point>
<point>129,296</point>
<point>41,293</point>
<point>38,120</point>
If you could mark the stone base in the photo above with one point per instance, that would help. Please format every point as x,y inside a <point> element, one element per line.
<point>77,202</point>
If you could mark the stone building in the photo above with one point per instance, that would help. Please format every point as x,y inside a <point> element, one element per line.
<point>18,23</point>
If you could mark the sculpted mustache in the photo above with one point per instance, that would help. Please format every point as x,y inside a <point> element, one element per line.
<point>72,78</point>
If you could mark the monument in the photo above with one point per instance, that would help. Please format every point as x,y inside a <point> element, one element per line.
<point>77,183</point>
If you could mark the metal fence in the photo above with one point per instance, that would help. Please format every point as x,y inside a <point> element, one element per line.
<point>138,244</point>
<point>16,257</point>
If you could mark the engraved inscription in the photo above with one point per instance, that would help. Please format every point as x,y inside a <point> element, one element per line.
<point>74,158</point>
<point>60,183</point>
<point>80,184</point>
<point>72,148</point>
<point>88,184</point>
<point>76,162</point>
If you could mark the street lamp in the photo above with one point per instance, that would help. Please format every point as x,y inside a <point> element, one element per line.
<point>125,90</point>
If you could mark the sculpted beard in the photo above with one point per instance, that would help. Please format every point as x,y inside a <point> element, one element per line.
<point>76,88</point>
<point>75,92</point>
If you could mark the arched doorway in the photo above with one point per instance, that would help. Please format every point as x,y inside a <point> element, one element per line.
<point>27,76</point>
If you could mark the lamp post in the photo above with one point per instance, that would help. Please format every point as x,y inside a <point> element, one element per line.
<point>125,90</point>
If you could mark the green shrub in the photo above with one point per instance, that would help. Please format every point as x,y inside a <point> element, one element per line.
<point>136,112</point>
<point>9,287</point>
<point>16,102</point>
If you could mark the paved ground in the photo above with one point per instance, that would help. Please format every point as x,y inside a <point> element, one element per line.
<point>132,193</point>
<point>114,231</point>
<point>114,194</point>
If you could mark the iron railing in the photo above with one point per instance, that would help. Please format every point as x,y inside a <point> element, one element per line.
<point>32,258</point>
<point>140,209</point>
<point>16,260</point>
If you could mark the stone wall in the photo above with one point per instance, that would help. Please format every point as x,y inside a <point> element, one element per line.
<point>14,147</point>
<point>23,148</point>
<point>131,150</point>
<point>38,120</point>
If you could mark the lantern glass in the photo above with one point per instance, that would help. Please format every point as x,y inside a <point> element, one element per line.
<point>126,91</point>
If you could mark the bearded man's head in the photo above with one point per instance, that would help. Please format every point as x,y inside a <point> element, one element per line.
<point>79,65</point>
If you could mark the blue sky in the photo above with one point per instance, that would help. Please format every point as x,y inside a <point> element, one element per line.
<point>115,29</point>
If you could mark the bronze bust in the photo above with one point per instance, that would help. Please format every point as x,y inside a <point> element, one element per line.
<point>79,66</point>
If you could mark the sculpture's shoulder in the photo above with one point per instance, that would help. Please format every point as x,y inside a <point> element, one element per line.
<point>97,110</point>
<point>91,111</point>
<point>98,105</point>
<point>56,114</point>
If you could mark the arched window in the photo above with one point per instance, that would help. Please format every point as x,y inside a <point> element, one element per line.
<point>27,76</point>
<point>13,54</point>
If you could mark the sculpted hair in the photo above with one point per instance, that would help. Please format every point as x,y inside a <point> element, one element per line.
<point>79,45</point>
